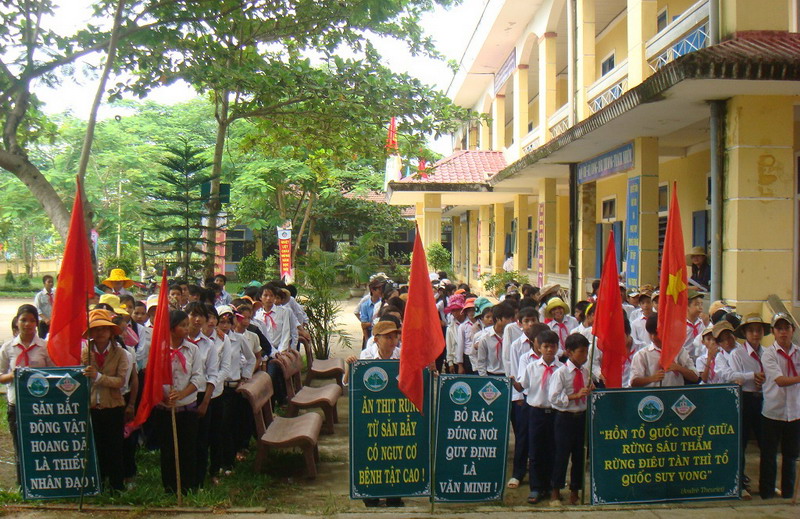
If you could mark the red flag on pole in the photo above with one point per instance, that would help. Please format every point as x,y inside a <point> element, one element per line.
<point>75,287</point>
<point>609,327</point>
<point>673,286</point>
<point>391,137</point>
<point>158,373</point>
<point>422,334</point>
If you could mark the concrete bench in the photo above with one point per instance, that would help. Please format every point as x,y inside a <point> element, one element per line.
<point>327,368</point>
<point>307,397</point>
<point>278,432</point>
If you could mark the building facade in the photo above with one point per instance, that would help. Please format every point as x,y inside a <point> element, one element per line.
<point>599,109</point>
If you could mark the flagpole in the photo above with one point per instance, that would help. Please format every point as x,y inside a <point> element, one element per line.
<point>177,456</point>
<point>586,425</point>
<point>432,453</point>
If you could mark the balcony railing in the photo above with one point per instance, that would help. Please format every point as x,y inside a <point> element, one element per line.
<point>609,87</point>
<point>531,141</point>
<point>687,33</point>
<point>559,121</point>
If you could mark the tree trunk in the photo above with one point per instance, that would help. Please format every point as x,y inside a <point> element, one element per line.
<point>47,197</point>
<point>311,197</point>
<point>259,243</point>
<point>142,258</point>
<point>214,204</point>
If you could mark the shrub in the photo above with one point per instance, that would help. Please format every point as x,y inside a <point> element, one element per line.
<point>123,262</point>
<point>495,283</point>
<point>10,277</point>
<point>251,268</point>
<point>439,258</point>
<point>25,282</point>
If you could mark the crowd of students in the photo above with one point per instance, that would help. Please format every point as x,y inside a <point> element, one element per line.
<point>216,343</point>
<point>531,336</point>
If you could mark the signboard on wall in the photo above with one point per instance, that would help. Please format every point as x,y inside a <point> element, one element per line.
<point>540,258</point>
<point>609,163</point>
<point>632,233</point>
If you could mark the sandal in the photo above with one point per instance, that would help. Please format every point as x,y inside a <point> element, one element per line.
<point>513,483</point>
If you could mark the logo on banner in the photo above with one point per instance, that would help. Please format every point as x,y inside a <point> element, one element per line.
<point>683,407</point>
<point>38,385</point>
<point>651,408</point>
<point>489,393</point>
<point>67,385</point>
<point>460,393</point>
<point>375,379</point>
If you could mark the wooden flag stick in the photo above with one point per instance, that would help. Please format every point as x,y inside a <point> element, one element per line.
<point>587,431</point>
<point>177,456</point>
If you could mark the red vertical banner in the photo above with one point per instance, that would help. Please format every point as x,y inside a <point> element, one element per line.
<point>540,246</point>
<point>285,253</point>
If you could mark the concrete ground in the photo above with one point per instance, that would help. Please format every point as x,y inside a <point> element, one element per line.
<point>328,495</point>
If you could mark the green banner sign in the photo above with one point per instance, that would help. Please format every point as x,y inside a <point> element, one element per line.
<point>389,438</point>
<point>670,444</point>
<point>53,428</point>
<point>471,438</point>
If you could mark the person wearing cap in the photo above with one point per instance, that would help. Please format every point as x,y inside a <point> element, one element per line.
<point>461,359</point>
<point>641,338</point>
<point>694,325</point>
<point>455,312</point>
<point>106,367</point>
<point>743,366</point>
<point>547,292</point>
<point>118,282</point>
<point>367,307</point>
<point>630,299</point>
<point>706,364</point>
<point>511,334</point>
<point>701,270</point>
<point>26,349</point>
<point>43,301</point>
<point>490,346</point>
<point>247,350</point>
<point>557,317</point>
<point>781,409</point>
<point>646,368</point>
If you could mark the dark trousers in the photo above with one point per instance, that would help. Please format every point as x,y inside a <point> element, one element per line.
<point>468,366</point>
<point>11,415</point>
<point>203,431</point>
<point>129,447</point>
<point>787,435</point>
<point>278,383</point>
<point>541,435</point>
<point>238,425</point>
<point>186,425</point>
<point>107,425</point>
<point>215,435</point>
<point>43,329</point>
<point>570,430</point>
<point>519,414</point>
<point>751,420</point>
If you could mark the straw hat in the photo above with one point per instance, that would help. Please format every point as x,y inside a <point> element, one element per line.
<point>720,305</point>
<point>113,301</point>
<point>693,294</point>
<point>752,319</point>
<point>384,327</point>
<point>152,302</point>
<point>548,289</point>
<point>696,251</point>
<point>554,303</point>
<point>118,275</point>
<point>101,317</point>
<point>783,316</point>
<point>224,309</point>
<point>707,331</point>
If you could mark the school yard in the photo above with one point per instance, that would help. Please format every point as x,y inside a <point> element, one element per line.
<point>328,495</point>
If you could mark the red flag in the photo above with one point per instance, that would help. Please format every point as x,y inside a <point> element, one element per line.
<point>422,334</point>
<point>391,137</point>
<point>422,168</point>
<point>609,327</point>
<point>158,373</point>
<point>75,287</point>
<point>673,285</point>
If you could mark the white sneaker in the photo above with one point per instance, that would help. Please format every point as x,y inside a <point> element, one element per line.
<point>513,483</point>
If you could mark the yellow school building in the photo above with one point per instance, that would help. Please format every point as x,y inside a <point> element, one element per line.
<point>598,110</point>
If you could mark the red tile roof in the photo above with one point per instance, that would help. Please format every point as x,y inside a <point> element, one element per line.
<point>463,167</point>
<point>758,46</point>
<point>380,197</point>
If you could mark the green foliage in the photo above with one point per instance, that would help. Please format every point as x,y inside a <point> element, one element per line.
<point>10,277</point>
<point>124,262</point>
<point>251,268</point>
<point>319,271</point>
<point>439,258</point>
<point>495,283</point>
<point>359,259</point>
<point>25,282</point>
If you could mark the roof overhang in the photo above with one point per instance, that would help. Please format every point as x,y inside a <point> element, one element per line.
<point>673,98</point>
<point>405,193</point>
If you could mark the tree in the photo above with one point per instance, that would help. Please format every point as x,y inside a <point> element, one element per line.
<point>177,209</point>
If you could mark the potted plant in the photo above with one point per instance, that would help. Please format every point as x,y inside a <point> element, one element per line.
<point>360,262</point>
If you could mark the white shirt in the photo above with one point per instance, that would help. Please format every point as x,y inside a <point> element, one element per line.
<point>464,339</point>
<point>126,384</point>
<point>629,308</point>
<point>693,331</point>
<point>490,353</point>
<point>714,374</point>
<point>563,329</point>
<point>561,386</point>
<point>586,331</point>
<point>278,324</point>
<point>641,338</point>
<point>740,367</point>
<point>451,341</point>
<point>223,349</point>
<point>597,364</point>
<point>520,353</point>
<point>209,359</point>
<point>531,378</point>
<point>780,403</point>
<point>372,354</point>
<point>646,362</point>
<point>193,373</point>
<point>243,356</point>
<point>511,333</point>
<point>37,356</point>
<point>143,349</point>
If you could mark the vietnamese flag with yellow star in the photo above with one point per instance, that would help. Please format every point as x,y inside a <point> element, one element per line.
<point>674,301</point>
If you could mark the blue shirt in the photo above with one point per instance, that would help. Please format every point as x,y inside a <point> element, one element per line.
<point>367,308</point>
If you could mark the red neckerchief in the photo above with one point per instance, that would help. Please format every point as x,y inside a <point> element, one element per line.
<point>754,356</point>
<point>176,352</point>
<point>578,383</point>
<point>100,358</point>
<point>791,370</point>
<point>499,345</point>
<point>548,370</point>
<point>24,357</point>
<point>268,315</point>
<point>695,328</point>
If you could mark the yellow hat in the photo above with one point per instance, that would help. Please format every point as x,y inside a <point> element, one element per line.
<point>118,275</point>
<point>554,303</point>
<point>113,301</point>
<point>102,317</point>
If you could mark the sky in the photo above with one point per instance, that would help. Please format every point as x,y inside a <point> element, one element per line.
<point>450,29</point>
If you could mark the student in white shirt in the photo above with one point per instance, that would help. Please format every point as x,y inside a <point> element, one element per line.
<point>568,392</point>
<point>706,364</point>
<point>781,410</point>
<point>277,319</point>
<point>455,317</point>
<point>463,329</point>
<point>723,335</point>
<point>466,358</point>
<point>641,337</point>
<point>645,367</point>
<point>694,324</point>
<point>561,321</point>
<point>597,357</point>
<point>490,346</point>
